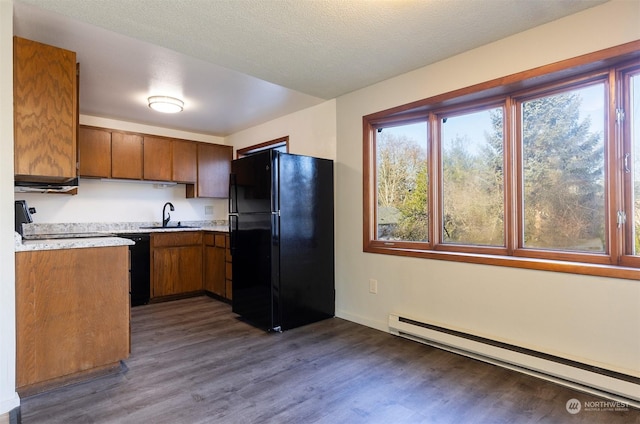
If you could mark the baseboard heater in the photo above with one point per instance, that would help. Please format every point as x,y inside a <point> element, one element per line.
<point>580,376</point>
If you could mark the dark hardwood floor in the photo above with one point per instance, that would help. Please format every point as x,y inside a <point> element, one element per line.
<point>194,361</point>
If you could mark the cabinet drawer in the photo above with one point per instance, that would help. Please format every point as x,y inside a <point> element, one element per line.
<point>176,239</point>
<point>209,239</point>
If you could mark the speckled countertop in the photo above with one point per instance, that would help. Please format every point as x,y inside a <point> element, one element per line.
<point>101,227</point>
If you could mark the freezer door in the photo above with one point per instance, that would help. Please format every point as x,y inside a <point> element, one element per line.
<point>251,187</point>
<point>254,291</point>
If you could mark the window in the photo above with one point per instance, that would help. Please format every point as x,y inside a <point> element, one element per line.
<point>472,146</point>
<point>401,158</point>
<point>539,172</point>
<point>562,139</point>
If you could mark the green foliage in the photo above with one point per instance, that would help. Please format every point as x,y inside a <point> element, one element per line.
<point>563,167</point>
<point>562,181</point>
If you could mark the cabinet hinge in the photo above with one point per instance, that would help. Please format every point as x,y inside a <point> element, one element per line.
<point>619,115</point>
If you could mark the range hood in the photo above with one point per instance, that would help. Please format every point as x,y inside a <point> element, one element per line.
<point>68,187</point>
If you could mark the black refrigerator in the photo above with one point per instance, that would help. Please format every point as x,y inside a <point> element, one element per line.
<point>281,232</point>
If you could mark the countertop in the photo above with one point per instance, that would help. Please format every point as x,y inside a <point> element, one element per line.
<point>79,243</point>
<point>107,228</point>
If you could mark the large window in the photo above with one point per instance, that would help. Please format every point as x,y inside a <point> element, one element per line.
<point>537,170</point>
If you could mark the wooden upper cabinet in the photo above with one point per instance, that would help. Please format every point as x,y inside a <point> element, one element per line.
<point>126,151</point>
<point>185,161</point>
<point>157,159</point>
<point>45,111</point>
<point>94,150</point>
<point>214,166</point>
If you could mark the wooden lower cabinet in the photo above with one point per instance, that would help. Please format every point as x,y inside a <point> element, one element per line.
<point>176,264</point>
<point>72,315</point>
<point>214,264</point>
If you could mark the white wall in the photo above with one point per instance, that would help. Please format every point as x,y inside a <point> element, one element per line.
<point>311,132</point>
<point>115,201</point>
<point>8,396</point>
<point>588,319</point>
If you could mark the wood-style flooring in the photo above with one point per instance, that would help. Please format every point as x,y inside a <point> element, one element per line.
<point>194,361</point>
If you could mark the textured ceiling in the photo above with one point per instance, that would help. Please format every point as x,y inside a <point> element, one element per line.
<point>317,48</point>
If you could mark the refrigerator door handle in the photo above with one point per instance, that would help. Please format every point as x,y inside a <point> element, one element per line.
<point>233,194</point>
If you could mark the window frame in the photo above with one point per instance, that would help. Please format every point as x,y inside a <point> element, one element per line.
<point>261,147</point>
<point>608,65</point>
<point>624,75</point>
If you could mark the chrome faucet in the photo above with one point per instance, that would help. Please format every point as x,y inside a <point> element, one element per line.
<point>165,221</point>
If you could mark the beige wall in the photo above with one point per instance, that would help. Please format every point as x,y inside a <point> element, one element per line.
<point>311,132</point>
<point>588,319</point>
<point>8,396</point>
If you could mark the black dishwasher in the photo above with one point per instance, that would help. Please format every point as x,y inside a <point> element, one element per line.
<point>139,268</point>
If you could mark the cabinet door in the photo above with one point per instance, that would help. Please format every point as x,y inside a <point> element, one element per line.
<point>126,156</point>
<point>157,159</point>
<point>214,166</point>
<point>45,111</point>
<point>94,149</point>
<point>177,270</point>
<point>190,269</point>
<point>214,269</point>
<point>166,266</point>
<point>72,312</point>
<point>185,161</point>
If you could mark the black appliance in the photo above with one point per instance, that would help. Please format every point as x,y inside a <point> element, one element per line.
<point>22,215</point>
<point>139,267</point>
<point>282,239</point>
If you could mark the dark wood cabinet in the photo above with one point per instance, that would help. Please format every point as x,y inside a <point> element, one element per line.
<point>45,111</point>
<point>157,161</point>
<point>176,264</point>
<point>94,151</point>
<point>214,166</point>
<point>127,156</point>
<point>72,315</point>
<point>185,161</point>
<point>203,167</point>
<point>214,251</point>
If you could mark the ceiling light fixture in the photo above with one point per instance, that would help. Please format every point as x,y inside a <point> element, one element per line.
<point>166,104</point>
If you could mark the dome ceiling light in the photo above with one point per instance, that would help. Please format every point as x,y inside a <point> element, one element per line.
<point>166,104</point>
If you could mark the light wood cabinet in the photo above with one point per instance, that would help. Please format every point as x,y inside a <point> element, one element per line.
<point>214,167</point>
<point>157,161</point>
<point>94,151</point>
<point>126,156</point>
<point>45,111</point>
<point>72,315</point>
<point>185,161</point>
<point>214,251</point>
<point>176,264</point>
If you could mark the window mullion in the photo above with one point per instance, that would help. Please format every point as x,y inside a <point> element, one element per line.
<point>435,181</point>
<point>616,173</point>
<point>510,178</point>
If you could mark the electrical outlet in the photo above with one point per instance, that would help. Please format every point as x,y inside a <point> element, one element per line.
<point>373,286</point>
<point>208,210</point>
